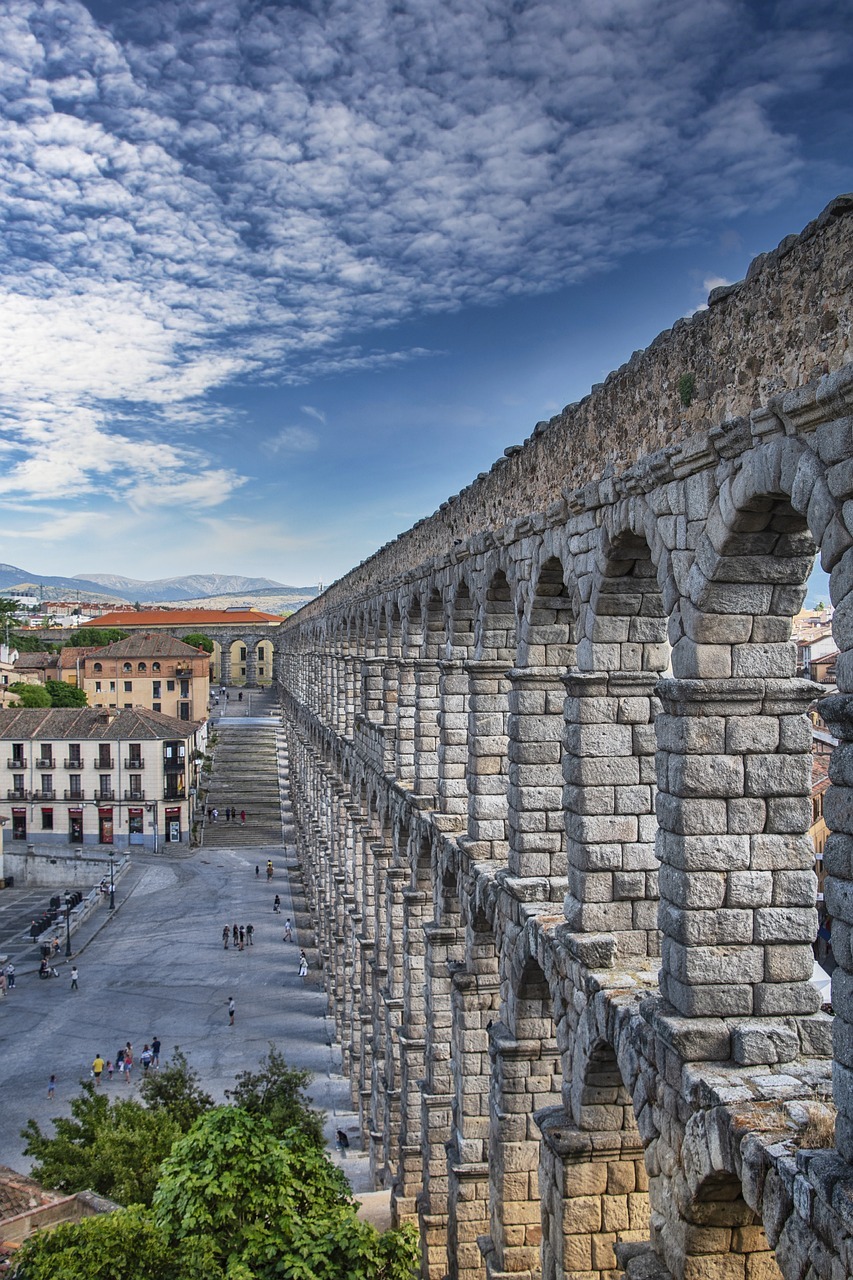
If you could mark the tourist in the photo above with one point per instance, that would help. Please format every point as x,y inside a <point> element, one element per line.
<point>250,935</point>
<point>145,1058</point>
<point>235,933</point>
<point>97,1069</point>
<point>74,976</point>
<point>155,1052</point>
<point>288,931</point>
<point>51,1086</point>
<point>226,934</point>
<point>303,964</point>
<point>276,905</point>
<point>242,817</point>
<point>10,976</point>
<point>128,1062</point>
<point>231,1008</point>
<point>242,937</point>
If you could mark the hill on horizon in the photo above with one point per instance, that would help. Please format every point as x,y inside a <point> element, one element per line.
<point>112,588</point>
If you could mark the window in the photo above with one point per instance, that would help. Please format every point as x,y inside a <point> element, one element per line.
<point>170,686</point>
<point>19,825</point>
<point>105,785</point>
<point>97,666</point>
<point>74,753</point>
<point>242,653</point>
<point>112,686</point>
<point>74,788</point>
<point>128,706</point>
<point>155,666</point>
<point>128,686</point>
<point>155,689</point>
<point>141,666</point>
<point>127,666</point>
<point>183,710</point>
<point>185,688</point>
<point>18,751</point>
<point>135,755</point>
<point>46,755</point>
<point>47,784</point>
<point>47,819</point>
<point>97,686</point>
<point>157,706</point>
<point>18,784</point>
<point>105,755</point>
<point>136,786</point>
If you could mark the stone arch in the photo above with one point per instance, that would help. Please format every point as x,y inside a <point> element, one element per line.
<point>453,704</point>
<point>536,823</point>
<point>487,769</point>
<point>735,805</point>
<point>427,698</point>
<point>525,1079</point>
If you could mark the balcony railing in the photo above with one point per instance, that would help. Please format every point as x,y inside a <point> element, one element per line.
<point>104,762</point>
<point>134,763</point>
<point>105,795</point>
<point>75,795</point>
<point>183,669</point>
<point>17,795</point>
<point>169,794</point>
<point>134,795</point>
<point>44,793</point>
<point>45,762</point>
<point>17,762</point>
<point>73,764</point>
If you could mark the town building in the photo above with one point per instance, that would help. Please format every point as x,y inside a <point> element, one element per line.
<point>243,638</point>
<point>147,670</point>
<point>98,776</point>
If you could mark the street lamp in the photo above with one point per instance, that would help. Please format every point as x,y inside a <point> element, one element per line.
<point>68,924</point>
<point>112,885</point>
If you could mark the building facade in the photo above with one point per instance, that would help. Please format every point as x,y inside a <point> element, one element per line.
<point>98,776</point>
<point>148,670</point>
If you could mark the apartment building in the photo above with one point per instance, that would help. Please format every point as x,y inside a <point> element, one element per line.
<point>98,776</point>
<point>148,670</point>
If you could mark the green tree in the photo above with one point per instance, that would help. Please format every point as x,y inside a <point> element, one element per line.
<point>63,694</point>
<point>175,1091</point>
<point>30,695</point>
<point>277,1093</point>
<point>198,641</point>
<point>95,636</point>
<point>127,1245</point>
<point>243,1205</point>
<point>112,1148</point>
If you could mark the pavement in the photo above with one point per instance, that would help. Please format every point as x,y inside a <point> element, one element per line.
<point>156,966</point>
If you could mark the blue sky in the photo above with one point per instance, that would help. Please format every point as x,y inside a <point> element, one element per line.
<point>280,277</point>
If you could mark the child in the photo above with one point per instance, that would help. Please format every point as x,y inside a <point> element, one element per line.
<point>51,1086</point>
<point>109,1070</point>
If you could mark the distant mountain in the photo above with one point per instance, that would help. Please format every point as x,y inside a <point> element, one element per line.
<point>190,587</point>
<point>113,588</point>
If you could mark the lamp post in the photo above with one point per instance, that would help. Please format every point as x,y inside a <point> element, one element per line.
<point>68,924</point>
<point>112,885</point>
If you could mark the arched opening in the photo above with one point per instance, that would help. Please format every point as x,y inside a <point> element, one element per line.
<point>719,1235</point>
<point>453,707</point>
<point>427,697</point>
<point>487,768</point>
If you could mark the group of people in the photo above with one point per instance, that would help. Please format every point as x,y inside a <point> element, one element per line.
<point>122,1064</point>
<point>242,935</point>
<point>231,815</point>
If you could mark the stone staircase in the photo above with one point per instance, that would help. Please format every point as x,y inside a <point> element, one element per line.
<point>245,776</point>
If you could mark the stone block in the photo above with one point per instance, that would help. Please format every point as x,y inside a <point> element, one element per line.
<point>691,735</point>
<point>746,817</point>
<point>582,1215</point>
<point>772,999</point>
<point>709,777</point>
<point>586,1179</point>
<point>788,963</point>
<point>690,816</point>
<point>714,964</point>
<point>749,889</point>
<point>781,853</point>
<point>768,661</point>
<point>785,924</point>
<point>704,853</point>
<point>696,1001</point>
<point>789,814</point>
<point>694,889</point>
<point>692,661</point>
<point>752,734</point>
<point>777,775</point>
<point>756,1043</point>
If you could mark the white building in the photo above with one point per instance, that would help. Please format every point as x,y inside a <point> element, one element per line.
<point>98,776</point>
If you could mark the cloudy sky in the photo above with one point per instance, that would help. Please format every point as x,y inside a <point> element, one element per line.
<point>279,277</point>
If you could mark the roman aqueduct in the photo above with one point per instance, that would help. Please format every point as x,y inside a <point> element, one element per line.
<point>551,772</point>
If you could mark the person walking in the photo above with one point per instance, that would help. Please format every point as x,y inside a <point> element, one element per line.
<point>120,1062</point>
<point>288,931</point>
<point>145,1058</point>
<point>10,976</point>
<point>250,935</point>
<point>242,817</point>
<point>276,905</point>
<point>257,870</point>
<point>97,1069</point>
<point>214,815</point>
<point>109,1070</point>
<point>242,937</point>
<point>303,964</point>
<point>226,934</point>
<point>269,868</point>
<point>155,1052</point>
<point>74,976</point>
<point>51,1086</point>
<point>128,1062</point>
<point>235,933</point>
<point>231,1010</point>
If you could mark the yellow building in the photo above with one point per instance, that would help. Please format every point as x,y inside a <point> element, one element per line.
<point>147,670</point>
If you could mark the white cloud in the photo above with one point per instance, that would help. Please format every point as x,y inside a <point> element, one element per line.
<point>314,413</point>
<point>232,196</point>
<point>292,440</point>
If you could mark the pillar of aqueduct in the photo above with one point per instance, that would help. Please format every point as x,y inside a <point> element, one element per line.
<point>551,774</point>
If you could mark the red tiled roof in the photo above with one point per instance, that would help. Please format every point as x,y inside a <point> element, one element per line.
<point>183,618</point>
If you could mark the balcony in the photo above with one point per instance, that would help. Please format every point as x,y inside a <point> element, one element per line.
<point>44,793</point>
<point>73,764</point>
<point>17,795</point>
<point>171,793</point>
<point>104,762</point>
<point>183,669</point>
<point>134,795</point>
<point>134,763</point>
<point>46,762</point>
<point>17,762</point>
<point>75,795</point>
<point>105,795</point>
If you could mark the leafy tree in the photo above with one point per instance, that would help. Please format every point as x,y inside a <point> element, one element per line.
<point>175,1091</point>
<point>277,1092</point>
<point>28,642</point>
<point>112,1148</point>
<point>243,1205</point>
<point>198,641</point>
<point>127,1245</point>
<point>30,695</point>
<point>63,694</point>
<point>95,636</point>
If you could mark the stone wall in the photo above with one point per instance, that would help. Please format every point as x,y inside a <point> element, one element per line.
<point>550,770</point>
